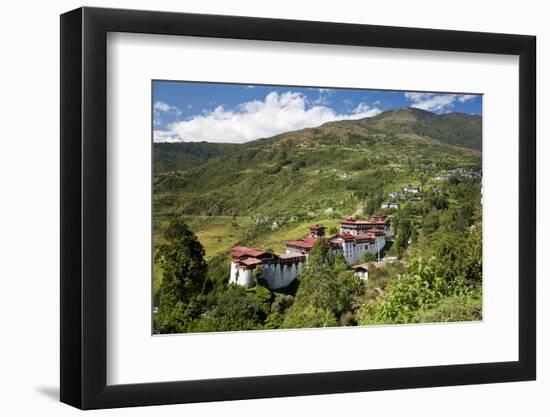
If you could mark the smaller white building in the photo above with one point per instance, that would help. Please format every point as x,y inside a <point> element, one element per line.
<point>389,205</point>
<point>412,190</point>
<point>362,271</point>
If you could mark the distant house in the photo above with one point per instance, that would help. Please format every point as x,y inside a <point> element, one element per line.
<point>472,174</point>
<point>394,205</point>
<point>385,204</point>
<point>316,230</point>
<point>445,175</point>
<point>362,271</point>
<point>412,190</point>
<point>393,195</point>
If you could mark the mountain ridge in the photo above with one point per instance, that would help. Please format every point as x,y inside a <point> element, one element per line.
<point>454,128</point>
<point>336,167</point>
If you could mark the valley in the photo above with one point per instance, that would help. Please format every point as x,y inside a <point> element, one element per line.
<point>264,192</point>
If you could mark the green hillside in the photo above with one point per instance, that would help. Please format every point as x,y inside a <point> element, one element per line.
<point>267,191</point>
<point>182,155</point>
<point>453,128</point>
<point>321,173</point>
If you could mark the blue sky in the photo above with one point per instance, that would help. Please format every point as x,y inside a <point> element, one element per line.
<point>184,111</point>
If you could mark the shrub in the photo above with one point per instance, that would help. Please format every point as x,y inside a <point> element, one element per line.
<point>405,297</point>
<point>453,308</point>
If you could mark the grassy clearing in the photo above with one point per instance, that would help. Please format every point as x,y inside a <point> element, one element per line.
<point>216,233</point>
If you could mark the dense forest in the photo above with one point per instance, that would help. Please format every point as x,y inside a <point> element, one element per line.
<point>266,191</point>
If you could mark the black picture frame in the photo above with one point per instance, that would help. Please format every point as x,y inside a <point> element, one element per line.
<point>84,207</point>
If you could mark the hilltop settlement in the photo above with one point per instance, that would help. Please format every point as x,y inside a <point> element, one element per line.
<point>356,238</point>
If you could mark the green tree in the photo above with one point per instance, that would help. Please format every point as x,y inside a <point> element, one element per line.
<point>473,255</point>
<point>414,235</point>
<point>234,309</point>
<point>402,301</point>
<point>321,255</point>
<point>279,308</point>
<point>182,262</point>
<point>309,316</point>
<point>183,279</point>
<point>368,257</point>
<point>404,228</point>
<point>323,294</point>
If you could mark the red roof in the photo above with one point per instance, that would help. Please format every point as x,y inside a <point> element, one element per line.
<point>239,251</point>
<point>346,236</point>
<point>300,244</point>
<point>251,261</point>
<point>306,243</point>
<point>376,232</point>
<point>364,222</point>
<point>365,236</point>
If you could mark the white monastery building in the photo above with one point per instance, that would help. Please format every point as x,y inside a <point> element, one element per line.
<point>277,270</point>
<point>356,238</point>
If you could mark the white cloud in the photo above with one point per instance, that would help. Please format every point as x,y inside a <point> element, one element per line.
<point>277,113</point>
<point>324,94</point>
<point>418,96</point>
<point>362,108</point>
<point>438,103</point>
<point>166,108</point>
<point>465,97</point>
<point>159,108</point>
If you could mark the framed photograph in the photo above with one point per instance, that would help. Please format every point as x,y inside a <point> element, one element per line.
<point>258,208</point>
